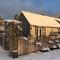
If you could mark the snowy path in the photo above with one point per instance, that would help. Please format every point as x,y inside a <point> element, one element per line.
<point>52,55</point>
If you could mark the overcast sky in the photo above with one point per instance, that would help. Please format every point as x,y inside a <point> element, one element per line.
<point>9,8</point>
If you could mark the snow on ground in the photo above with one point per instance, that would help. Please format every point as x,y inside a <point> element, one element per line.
<point>51,55</point>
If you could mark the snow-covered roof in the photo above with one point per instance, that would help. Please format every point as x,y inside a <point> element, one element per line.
<point>39,43</point>
<point>51,42</point>
<point>58,45</point>
<point>45,48</point>
<point>12,20</point>
<point>54,46</point>
<point>40,20</point>
<point>25,38</point>
<point>57,41</point>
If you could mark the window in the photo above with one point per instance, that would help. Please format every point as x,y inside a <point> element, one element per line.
<point>40,32</point>
<point>36,31</point>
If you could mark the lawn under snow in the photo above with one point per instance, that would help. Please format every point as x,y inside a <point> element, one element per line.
<point>51,55</point>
